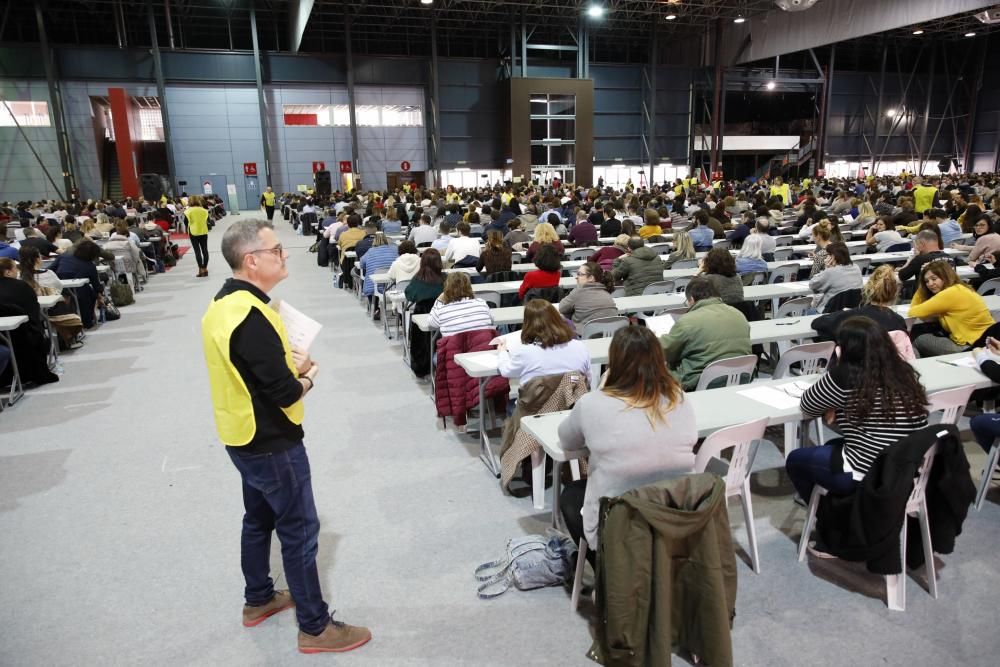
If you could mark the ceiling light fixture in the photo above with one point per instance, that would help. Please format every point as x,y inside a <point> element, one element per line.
<point>891,113</point>
<point>739,19</point>
<point>670,17</point>
<point>970,34</point>
<point>595,11</point>
<point>918,31</point>
<point>770,85</point>
<point>426,2</point>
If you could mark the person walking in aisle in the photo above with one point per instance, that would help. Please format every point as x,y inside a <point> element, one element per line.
<point>258,384</point>
<point>267,201</point>
<point>197,217</point>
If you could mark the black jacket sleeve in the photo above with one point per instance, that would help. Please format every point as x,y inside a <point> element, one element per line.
<point>257,353</point>
<point>991,369</point>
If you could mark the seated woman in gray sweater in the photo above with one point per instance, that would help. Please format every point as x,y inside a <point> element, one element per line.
<point>638,427</point>
<point>840,275</point>
<point>720,267</point>
<point>591,298</point>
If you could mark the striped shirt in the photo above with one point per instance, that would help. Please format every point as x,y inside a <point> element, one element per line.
<point>865,440</point>
<point>458,316</point>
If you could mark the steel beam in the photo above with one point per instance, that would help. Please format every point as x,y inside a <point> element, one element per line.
<point>524,47</point>
<point>170,23</point>
<point>349,47</point>
<point>973,108</point>
<point>653,60</point>
<point>878,108</point>
<point>298,17</point>
<point>717,98</point>
<point>55,103</point>
<point>827,95</point>
<point>161,90</point>
<point>261,99</point>
<point>927,113</point>
<point>435,105</point>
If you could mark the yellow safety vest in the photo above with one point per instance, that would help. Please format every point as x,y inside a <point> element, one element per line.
<point>234,417</point>
<point>780,191</point>
<point>923,197</point>
<point>806,183</point>
<point>268,198</point>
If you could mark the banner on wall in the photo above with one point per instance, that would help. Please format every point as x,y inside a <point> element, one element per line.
<point>234,202</point>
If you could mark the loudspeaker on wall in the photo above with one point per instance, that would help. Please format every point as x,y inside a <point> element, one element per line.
<point>323,184</point>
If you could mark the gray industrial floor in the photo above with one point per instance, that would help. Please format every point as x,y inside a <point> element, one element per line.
<point>120,519</point>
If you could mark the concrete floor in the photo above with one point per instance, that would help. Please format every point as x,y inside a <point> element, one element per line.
<point>120,518</point>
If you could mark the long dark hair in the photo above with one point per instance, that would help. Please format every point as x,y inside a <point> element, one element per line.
<point>878,374</point>
<point>431,269</point>
<point>27,258</point>
<point>638,374</point>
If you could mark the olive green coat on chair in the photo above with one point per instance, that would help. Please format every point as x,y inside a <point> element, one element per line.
<point>666,574</point>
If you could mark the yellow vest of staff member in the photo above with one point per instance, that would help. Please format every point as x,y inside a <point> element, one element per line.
<point>268,198</point>
<point>234,417</point>
<point>780,191</point>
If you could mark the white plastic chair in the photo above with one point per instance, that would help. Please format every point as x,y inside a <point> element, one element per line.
<point>864,264</point>
<point>916,506</point>
<point>811,357</point>
<point>492,299</point>
<point>685,264</point>
<point>950,402</point>
<point>751,279</point>
<point>782,254</point>
<point>731,369</point>
<point>787,273</point>
<point>984,481</point>
<point>740,439</point>
<point>603,327</point>
<point>662,287</point>
<point>794,307</point>
<point>783,240</point>
<point>579,253</point>
<point>991,286</point>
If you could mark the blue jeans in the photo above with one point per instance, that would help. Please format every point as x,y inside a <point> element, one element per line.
<point>277,495</point>
<point>986,428</point>
<point>808,466</point>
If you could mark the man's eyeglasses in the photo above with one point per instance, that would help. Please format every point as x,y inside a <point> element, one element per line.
<point>278,250</point>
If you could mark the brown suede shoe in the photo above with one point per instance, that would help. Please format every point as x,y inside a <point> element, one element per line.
<point>336,638</point>
<point>253,616</point>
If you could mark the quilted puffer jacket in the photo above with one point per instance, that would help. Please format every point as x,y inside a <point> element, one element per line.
<point>454,391</point>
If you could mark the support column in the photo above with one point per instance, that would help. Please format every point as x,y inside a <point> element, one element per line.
<point>524,47</point>
<point>350,99</point>
<point>261,101</point>
<point>170,23</point>
<point>922,151</point>
<point>121,118</point>
<point>973,108</point>
<point>55,106</point>
<point>717,99</point>
<point>878,108</point>
<point>161,91</point>
<point>653,59</point>
<point>825,122</point>
<point>435,105</point>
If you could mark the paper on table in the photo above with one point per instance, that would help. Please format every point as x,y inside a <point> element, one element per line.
<point>966,361</point>
<point>512,339</point>
<point>660,325</point>
<point>771,397</point>
<point>788,286</point>
<point>903,310</point>
<point>302,329</point>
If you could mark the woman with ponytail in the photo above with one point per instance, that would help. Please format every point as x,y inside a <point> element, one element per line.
<point>591,298</point>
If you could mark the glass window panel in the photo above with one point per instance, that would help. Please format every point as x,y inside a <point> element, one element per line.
<point>367,115</point>
<point>539,154</point>
<point>562,154</point>
<point>150,125</point>
<point>562,105</point>
<point>539,106</point>
<point>539,130</point>
<point>27,114</point>
<point>562,129</point>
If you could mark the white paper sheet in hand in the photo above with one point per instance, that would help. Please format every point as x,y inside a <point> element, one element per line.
<point>771,397</point>
<point>302,329</point>
<point>660,325</point>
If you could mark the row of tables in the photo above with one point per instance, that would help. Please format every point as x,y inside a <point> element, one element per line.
<point>746,403</point>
